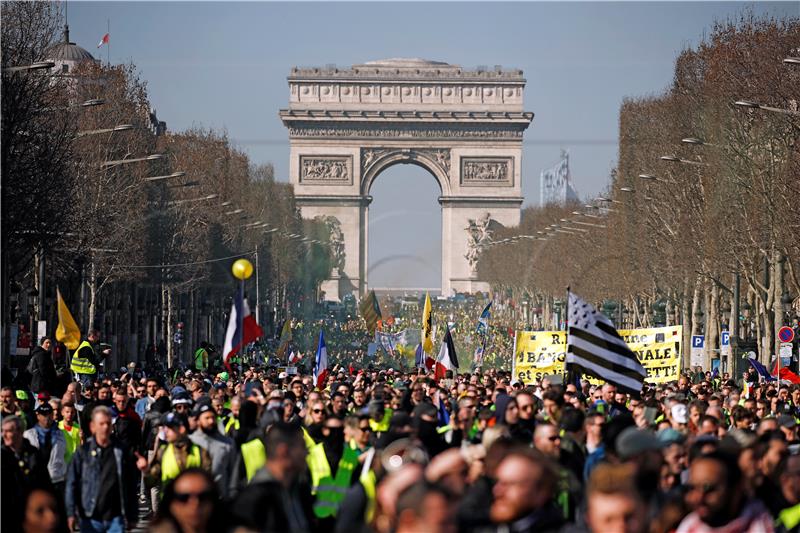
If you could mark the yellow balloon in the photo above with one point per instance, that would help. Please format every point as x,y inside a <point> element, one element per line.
<point>242,269</point>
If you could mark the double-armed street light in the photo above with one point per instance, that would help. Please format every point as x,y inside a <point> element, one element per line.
<point>151,157</point>
<point>119,127</point>
<point>675,159</point>
<point>166,177</point>
<point>755,105</point>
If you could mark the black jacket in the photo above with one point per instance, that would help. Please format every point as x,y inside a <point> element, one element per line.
<point>42,370</point>
<point>19,473</point>
<point>266,506</point>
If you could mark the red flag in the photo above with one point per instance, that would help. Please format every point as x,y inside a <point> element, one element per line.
<point>104,40</point>
<point>788,375</point>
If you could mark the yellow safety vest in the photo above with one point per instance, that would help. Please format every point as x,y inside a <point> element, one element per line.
<point>308,440</point>
<point>329,491</point>
<point>232,422</point>
<point>368,481</point>
<point>73,438</point>
<point>789,518</point>
<point>169,464</point>
<point>201,359</point>
<point>383,425</point>
<point>81,365</point>
<point>254,456</point>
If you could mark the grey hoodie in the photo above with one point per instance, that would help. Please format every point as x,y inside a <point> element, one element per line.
<point>223,458</point>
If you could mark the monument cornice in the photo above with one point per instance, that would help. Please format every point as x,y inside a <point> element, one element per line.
<point>334,200</point>
<point>436,73</point>
<point>387,116</point>
<point>456,201</point>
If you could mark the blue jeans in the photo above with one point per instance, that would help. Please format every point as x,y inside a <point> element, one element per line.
<point>115,525</point>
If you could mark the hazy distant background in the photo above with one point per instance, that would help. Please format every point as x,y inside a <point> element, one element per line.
<point>224,65</point>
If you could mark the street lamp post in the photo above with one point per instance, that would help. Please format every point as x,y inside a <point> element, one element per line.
<point>755,105</point>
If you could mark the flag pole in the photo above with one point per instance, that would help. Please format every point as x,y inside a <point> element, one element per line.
<point>567,366</point>
<point>108,48</point>
<point>241,327</point>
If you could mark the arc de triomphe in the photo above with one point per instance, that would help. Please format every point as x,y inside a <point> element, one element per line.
<point>465,127</point>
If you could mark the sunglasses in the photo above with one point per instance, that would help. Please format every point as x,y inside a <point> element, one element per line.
<point>554,438</point>
<point>365,428</point>
<point>317,411</point>
<point>184,497</point>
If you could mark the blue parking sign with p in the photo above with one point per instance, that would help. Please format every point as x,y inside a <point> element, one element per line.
<point>698,341</point>
<point>725,339</point>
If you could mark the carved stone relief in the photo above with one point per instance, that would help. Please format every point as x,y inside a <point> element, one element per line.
<point>478,232</point>
<point>336,241</point>
<point>437,156</point>
<point>487,171</point>
<point>326,170</point>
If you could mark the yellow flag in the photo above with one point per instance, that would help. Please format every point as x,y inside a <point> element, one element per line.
<point>286,337</point>
<point>67,330</point>
<point>427,326</point>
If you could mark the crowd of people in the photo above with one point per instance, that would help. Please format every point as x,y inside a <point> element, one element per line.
<point>257,449</point>
<point>346,334</point>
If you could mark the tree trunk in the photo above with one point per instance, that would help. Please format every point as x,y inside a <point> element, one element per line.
<point>712,335</point>
<point>686,320</point>
<point>92,296</point>
<point>168,326</point>
<point>190,327</point>
<point>777,293</point>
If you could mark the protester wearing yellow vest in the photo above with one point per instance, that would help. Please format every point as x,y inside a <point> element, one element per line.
<point>85,360</point>
<point>329,489</point>
<point>201,357</point>
<point>177,455</point>
<point>69,427</point>
<point>232,422</point>
<point>278,498</point>
<point>379,417</point>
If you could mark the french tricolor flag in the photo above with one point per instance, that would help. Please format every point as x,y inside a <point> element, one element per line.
<point>321,366</point>
<point>448,360</point>
<point>242,327</point>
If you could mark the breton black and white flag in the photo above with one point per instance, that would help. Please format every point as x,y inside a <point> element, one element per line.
<point>596,348</point>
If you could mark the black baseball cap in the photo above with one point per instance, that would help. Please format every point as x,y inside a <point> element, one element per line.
<point>174,420</point>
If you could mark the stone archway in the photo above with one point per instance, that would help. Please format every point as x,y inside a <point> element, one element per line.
<point>465,127</point>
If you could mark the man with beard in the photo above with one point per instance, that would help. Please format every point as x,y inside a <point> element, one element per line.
<point>523,493</point>
<point>359,400</point>
<point>220,448</point>
<point>714,493</point>
<point>527,413</point>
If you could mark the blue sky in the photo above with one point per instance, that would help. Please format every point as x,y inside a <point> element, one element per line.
<point>224,65</point>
